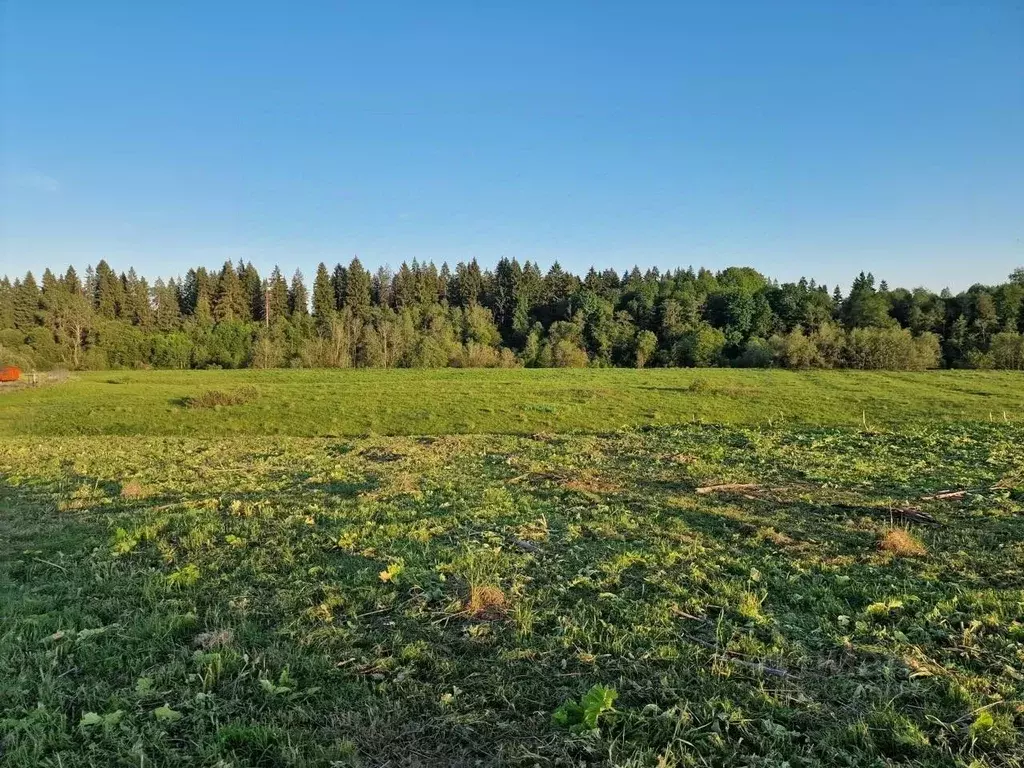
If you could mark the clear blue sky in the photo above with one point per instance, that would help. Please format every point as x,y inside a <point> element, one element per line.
<point>813,138</point>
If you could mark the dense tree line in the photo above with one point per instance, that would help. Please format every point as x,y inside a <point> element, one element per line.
<point>515,314</point>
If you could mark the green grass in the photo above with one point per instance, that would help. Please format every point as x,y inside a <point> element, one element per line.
<point>437,402</point>
<point>513,599</point>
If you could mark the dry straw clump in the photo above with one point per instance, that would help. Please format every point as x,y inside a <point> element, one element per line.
<point>487,602</point>
<point>901,542</point>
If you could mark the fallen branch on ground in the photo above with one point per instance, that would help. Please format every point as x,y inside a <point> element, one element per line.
<point>958,493</point>
<point>728,488</point>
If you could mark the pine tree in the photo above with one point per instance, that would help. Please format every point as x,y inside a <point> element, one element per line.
<point>404,287</point>
<point>166,310</point>
<point>71,282</point>
<point>427,284</point>
<point>189,292</point>
<point>507,277</point>
<point>468,283</point>
<point>6,303</point>
<point>277,296</point>
<point>203,314</point>
<point>252,287</point>
<point>50,284</point>
<point>49,297</point>
<point>444,282</point>
<point>198,296</point>
<point>382,288</point>
<point>230,301</point>
<point>298,298</point>
<point>323,298</point>
<point>89,285</point>
<point>143,307</point>
<point>109,294</point>
<point>135,307</point>
<point>26,303</point>
<point>357,291</point>
<point>339,281</point>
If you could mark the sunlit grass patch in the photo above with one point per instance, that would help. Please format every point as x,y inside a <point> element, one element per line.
<point>383,600</point>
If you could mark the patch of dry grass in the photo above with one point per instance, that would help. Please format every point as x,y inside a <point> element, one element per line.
<point>901,542</point>
<point>132,490</point>
<point>487,602</point>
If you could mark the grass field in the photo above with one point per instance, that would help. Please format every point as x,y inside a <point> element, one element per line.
<point>539,597</point>
<point>438,402</point>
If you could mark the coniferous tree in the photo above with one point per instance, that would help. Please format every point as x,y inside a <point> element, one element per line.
<point>404,287</point>
<point>135,307</point>
<point>732,317</point>
<point>71,282</point>
<point>339,283</point>
<point>357,290</point>
<point>6,303</point>
<point>203,302</point>
<point>166,307</point>
<point>468,283</point>
<point>26,303</point>
<point>108,296</point>
<point>252,288</point>
<point>276,300</point>
<point>865,307</point>
<point>382,293</point>
<point>298,298</point>
<point>323,298</point>
<point>231,300</point>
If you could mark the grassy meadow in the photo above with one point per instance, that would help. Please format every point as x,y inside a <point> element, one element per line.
<point>310,403</point>
<point>524,568</point>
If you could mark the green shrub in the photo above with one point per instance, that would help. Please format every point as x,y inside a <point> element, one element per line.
<point>701,347</point>
<point>757,353</point>
<point>893,349</point>
<point>795,350</point>
<point>1007,351</point>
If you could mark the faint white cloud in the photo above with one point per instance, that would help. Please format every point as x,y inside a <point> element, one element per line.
<point>40,182</point>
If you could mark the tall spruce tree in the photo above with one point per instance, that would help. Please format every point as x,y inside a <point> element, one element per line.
<point>26,303</point>
<point>298,296</point>
<point>339,283</point>
<point>357,291</point>
<point>231,301</point>
<point>277,297</point>
<point>323,298</point>
<point>6,303</point>
<point>71,282</point>
<point>109,293</point>
<point>252,287</point>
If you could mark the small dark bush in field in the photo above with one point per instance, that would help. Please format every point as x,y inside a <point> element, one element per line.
<point>213,398</point>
